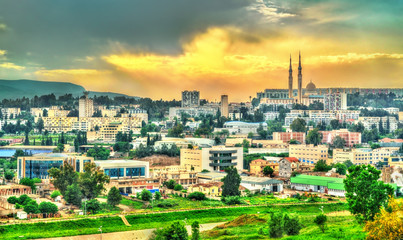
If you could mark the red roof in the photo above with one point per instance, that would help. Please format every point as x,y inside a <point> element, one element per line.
<point>292,159</point>
<point>259,160</point>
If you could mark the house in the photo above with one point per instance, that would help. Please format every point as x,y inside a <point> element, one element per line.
<point>259,184</point>
<point>330,185</point>
<point>213,189</point>
<point>288,165</point>
<point>22,215</point>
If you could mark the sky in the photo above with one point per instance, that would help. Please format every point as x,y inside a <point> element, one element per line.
<point>158,48</point>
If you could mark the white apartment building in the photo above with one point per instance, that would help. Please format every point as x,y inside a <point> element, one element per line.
<point>360,156</point>
<point>85,106</point>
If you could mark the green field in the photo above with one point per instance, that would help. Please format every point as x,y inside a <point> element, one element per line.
<point>146,221</point>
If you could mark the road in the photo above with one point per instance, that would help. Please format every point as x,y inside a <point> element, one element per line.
<point>130,235</point>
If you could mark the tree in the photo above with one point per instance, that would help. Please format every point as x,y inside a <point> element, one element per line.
<point>9,175</point>
<point>73,195</point>
<point>55,194</point>
<point>157,196</point>
<point>48,207</point>
<point>146,195</point>
<point>340,168</point>
<point>364,193</point>
<point>231,183</point>
<point>93,206</point>
<point>335,124</point>
<point>268,171</point>
<point>298,125</point>
<point>293,141</point>
<point>98,153</point>
<point>292,226</point>
<point>178,187</point>
<point>170,184</point>
<point>387,224</point>
<point>31,207</point>
<point>40,125</point>
<point>321,220</point>
<point>176,131</point>
<point>195,230</point>
<point>92,180</point>
<point>321,166</point>
<point>314,137</point>
<point>30,182</point>
<point>63,177</point>
<point>114,196</point>
<point>276,225</point>
<point>348,163</point>
<point>176,231</point>
<point>339,142</point>
<point>12,199</point>
<point>26,140</point>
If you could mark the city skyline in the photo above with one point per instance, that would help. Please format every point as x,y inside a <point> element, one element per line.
<point>236,48</point>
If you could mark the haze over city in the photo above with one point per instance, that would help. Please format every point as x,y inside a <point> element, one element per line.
<point>156,49</point>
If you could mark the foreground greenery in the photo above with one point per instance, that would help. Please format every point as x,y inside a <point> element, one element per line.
<point>158,220</point>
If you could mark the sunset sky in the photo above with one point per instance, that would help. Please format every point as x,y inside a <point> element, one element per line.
<point>157,48</point>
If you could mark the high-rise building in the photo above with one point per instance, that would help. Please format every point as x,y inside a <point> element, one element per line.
<point>290,81</point>
<point>190,98</point>
<point>224,106</point>
<point>85,106</point>
<point>335,101</point>
<point>299,80</point>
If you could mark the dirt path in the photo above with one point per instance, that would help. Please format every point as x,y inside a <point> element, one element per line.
<point>130,235</point>
<point>339,213</point>
<point>121,206</point>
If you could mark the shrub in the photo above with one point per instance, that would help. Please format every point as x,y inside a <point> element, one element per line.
<point>31,207</point>
<point>18,206</point>
<point>231,200</point>
<point>55,194</point>
<point>157,196</point>
<point>167,204</point>
<point>197,196</point>
<point>114,196</point>
<point>321,220</point>
<point>23,198</point>
<point>146,195</point>
<point>92,206</point>
<point>292,226</point>
<point>276,225</point>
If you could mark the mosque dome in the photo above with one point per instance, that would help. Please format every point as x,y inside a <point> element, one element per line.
<point>310,86</point>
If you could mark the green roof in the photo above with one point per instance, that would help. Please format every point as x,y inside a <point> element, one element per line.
<point>329,182</point>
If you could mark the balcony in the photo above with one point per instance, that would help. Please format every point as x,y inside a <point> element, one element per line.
<point>221,151</point>
<point>222,164</point>
<point>223,158</point>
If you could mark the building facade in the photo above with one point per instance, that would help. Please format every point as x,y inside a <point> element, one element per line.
<point>85,106</point>
<point>309,153</point>
<point>190,98</point>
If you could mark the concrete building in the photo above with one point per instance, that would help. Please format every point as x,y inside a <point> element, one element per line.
<point>287,136</point>
<point>120,168</point>
<point>10,113</point>
<point>211,189</point>
<point>388,123</point>
<point>277,102</point>
<point>37,166</point>
<point>236,127</point>
<point>335,101</point>
<point>180,174</point>
<point>85,106</point>
<point>363,156</point>
<point>190,98</point>
<point>256,166</point>
<point>192,111</point>
<point>224,106</point>
<point>309,153</point>
<point>351,138</point>
<point>14,190</point>
<point>287,166</point>
<point>212,159</point>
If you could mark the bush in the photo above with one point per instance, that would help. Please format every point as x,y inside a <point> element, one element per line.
<point>292,226</point>
<point>31,207</point>
<point>12,200</point>
<point>157,196</point>
<point>276,225</point>
<point>321,220</point>
<point>92,206</point>
<point>197,196</point>
<point>146,195</point>
<point>114,196</point>
<point>23,199</point>
<point>231,200</point>
<point>55,194</point>
<point>167,204</point>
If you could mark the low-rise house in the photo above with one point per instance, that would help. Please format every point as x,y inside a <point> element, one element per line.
<point>213,189</point>
<point>259,184</point>
<point>256,166</point>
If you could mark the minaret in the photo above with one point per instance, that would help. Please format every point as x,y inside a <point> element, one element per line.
<point>299,80</point>
<point>290,80</point>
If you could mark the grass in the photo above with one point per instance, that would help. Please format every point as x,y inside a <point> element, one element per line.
<point>147,221</point>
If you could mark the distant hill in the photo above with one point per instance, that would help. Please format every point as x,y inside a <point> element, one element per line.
<point>12,89</point>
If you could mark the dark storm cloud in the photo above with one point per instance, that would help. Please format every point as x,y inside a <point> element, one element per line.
<point>53,32</point>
